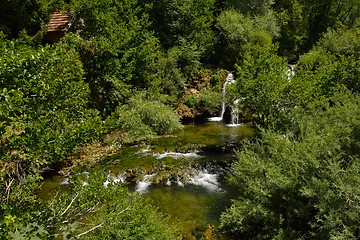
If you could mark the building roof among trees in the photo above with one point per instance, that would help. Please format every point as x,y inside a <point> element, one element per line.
<point>59,22</point>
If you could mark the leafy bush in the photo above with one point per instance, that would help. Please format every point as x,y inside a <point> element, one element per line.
<point>118,50</point>
<point>90,211</point>
<point>141,119</point>
<point>263,84</point>
<point>210,101</point>
<point>43,104</point>
<point>333,64</point>
<point>301,184</point>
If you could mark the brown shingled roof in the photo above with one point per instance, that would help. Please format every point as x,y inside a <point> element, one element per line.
<point>58,22</point>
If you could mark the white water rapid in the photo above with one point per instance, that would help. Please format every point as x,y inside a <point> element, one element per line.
<point>176,155</point>
<point>206,180</point>
<point>201,178</point>
<point>142,186</point>
<point>121,178</point>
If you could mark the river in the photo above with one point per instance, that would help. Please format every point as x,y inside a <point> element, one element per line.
<point>183,174</point>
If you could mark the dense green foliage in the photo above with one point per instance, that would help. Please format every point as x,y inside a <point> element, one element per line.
<point>118,50</point>
<point>242,32</point>
<point>188,20</point>
<point>22,15</point>
<point>44,113</point>
<point>299,179</point>
<point>89,210</point>
<point>302,184</point>
<point>264,84</point>
<point>124,66</point>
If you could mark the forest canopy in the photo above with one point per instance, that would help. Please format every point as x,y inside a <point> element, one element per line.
<point>141,68</point>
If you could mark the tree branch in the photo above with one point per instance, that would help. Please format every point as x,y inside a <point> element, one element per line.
<point>68,207</point>
<point>92,229</point>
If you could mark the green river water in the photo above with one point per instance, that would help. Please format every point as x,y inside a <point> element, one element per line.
<point>183,174</point>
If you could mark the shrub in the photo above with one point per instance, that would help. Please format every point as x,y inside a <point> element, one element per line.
<point>141,119</point>
<point>302,184</point>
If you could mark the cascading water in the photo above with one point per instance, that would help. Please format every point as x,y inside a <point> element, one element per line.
<point>188,185</point>
<point>234,108</point>
<point>120,178</point>
<point>176,155</point>
<point>142,186</point>
<point>206,180</point>
<point>229,79</point>
<point>235,114</point>
<point>202,178</point>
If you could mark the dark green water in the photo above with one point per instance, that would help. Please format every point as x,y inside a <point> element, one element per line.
<point>185,173</point>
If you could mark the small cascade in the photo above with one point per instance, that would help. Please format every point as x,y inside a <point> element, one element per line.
<point>121,178</point>
<point>65,181</point>
<point>235,114</point>
<point>206,180</point>
<point>176,155</point>
<point>229,79</point>
<point>142,186</point>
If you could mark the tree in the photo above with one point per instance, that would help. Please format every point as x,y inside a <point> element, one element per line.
<point>118,50</point>
<point>331,65</point>
<point>304,22</point>
<point>239,30</point>
<point>43,101</point>
<point>189,20</point>
<point>262,84</point>
<point>254,7</point>
<point>43,118</point>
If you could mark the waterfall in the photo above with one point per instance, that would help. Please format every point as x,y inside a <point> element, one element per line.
<point>229,79</point>
<point>235,112</point>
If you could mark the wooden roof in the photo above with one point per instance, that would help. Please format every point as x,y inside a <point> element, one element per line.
<point>59,22</point>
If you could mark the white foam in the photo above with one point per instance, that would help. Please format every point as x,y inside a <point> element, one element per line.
<point>145,150</point>
<point>121,178</point>
<point>234,125</point>
<point>65,181</point>
<point>142,186</point>
<point>168,182</point>
<point>176,155</point>
<point>215,119</point>
<point>206,180</point>
<point>180,183</point>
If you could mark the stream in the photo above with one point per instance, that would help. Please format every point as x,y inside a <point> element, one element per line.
<point>183,174</point>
